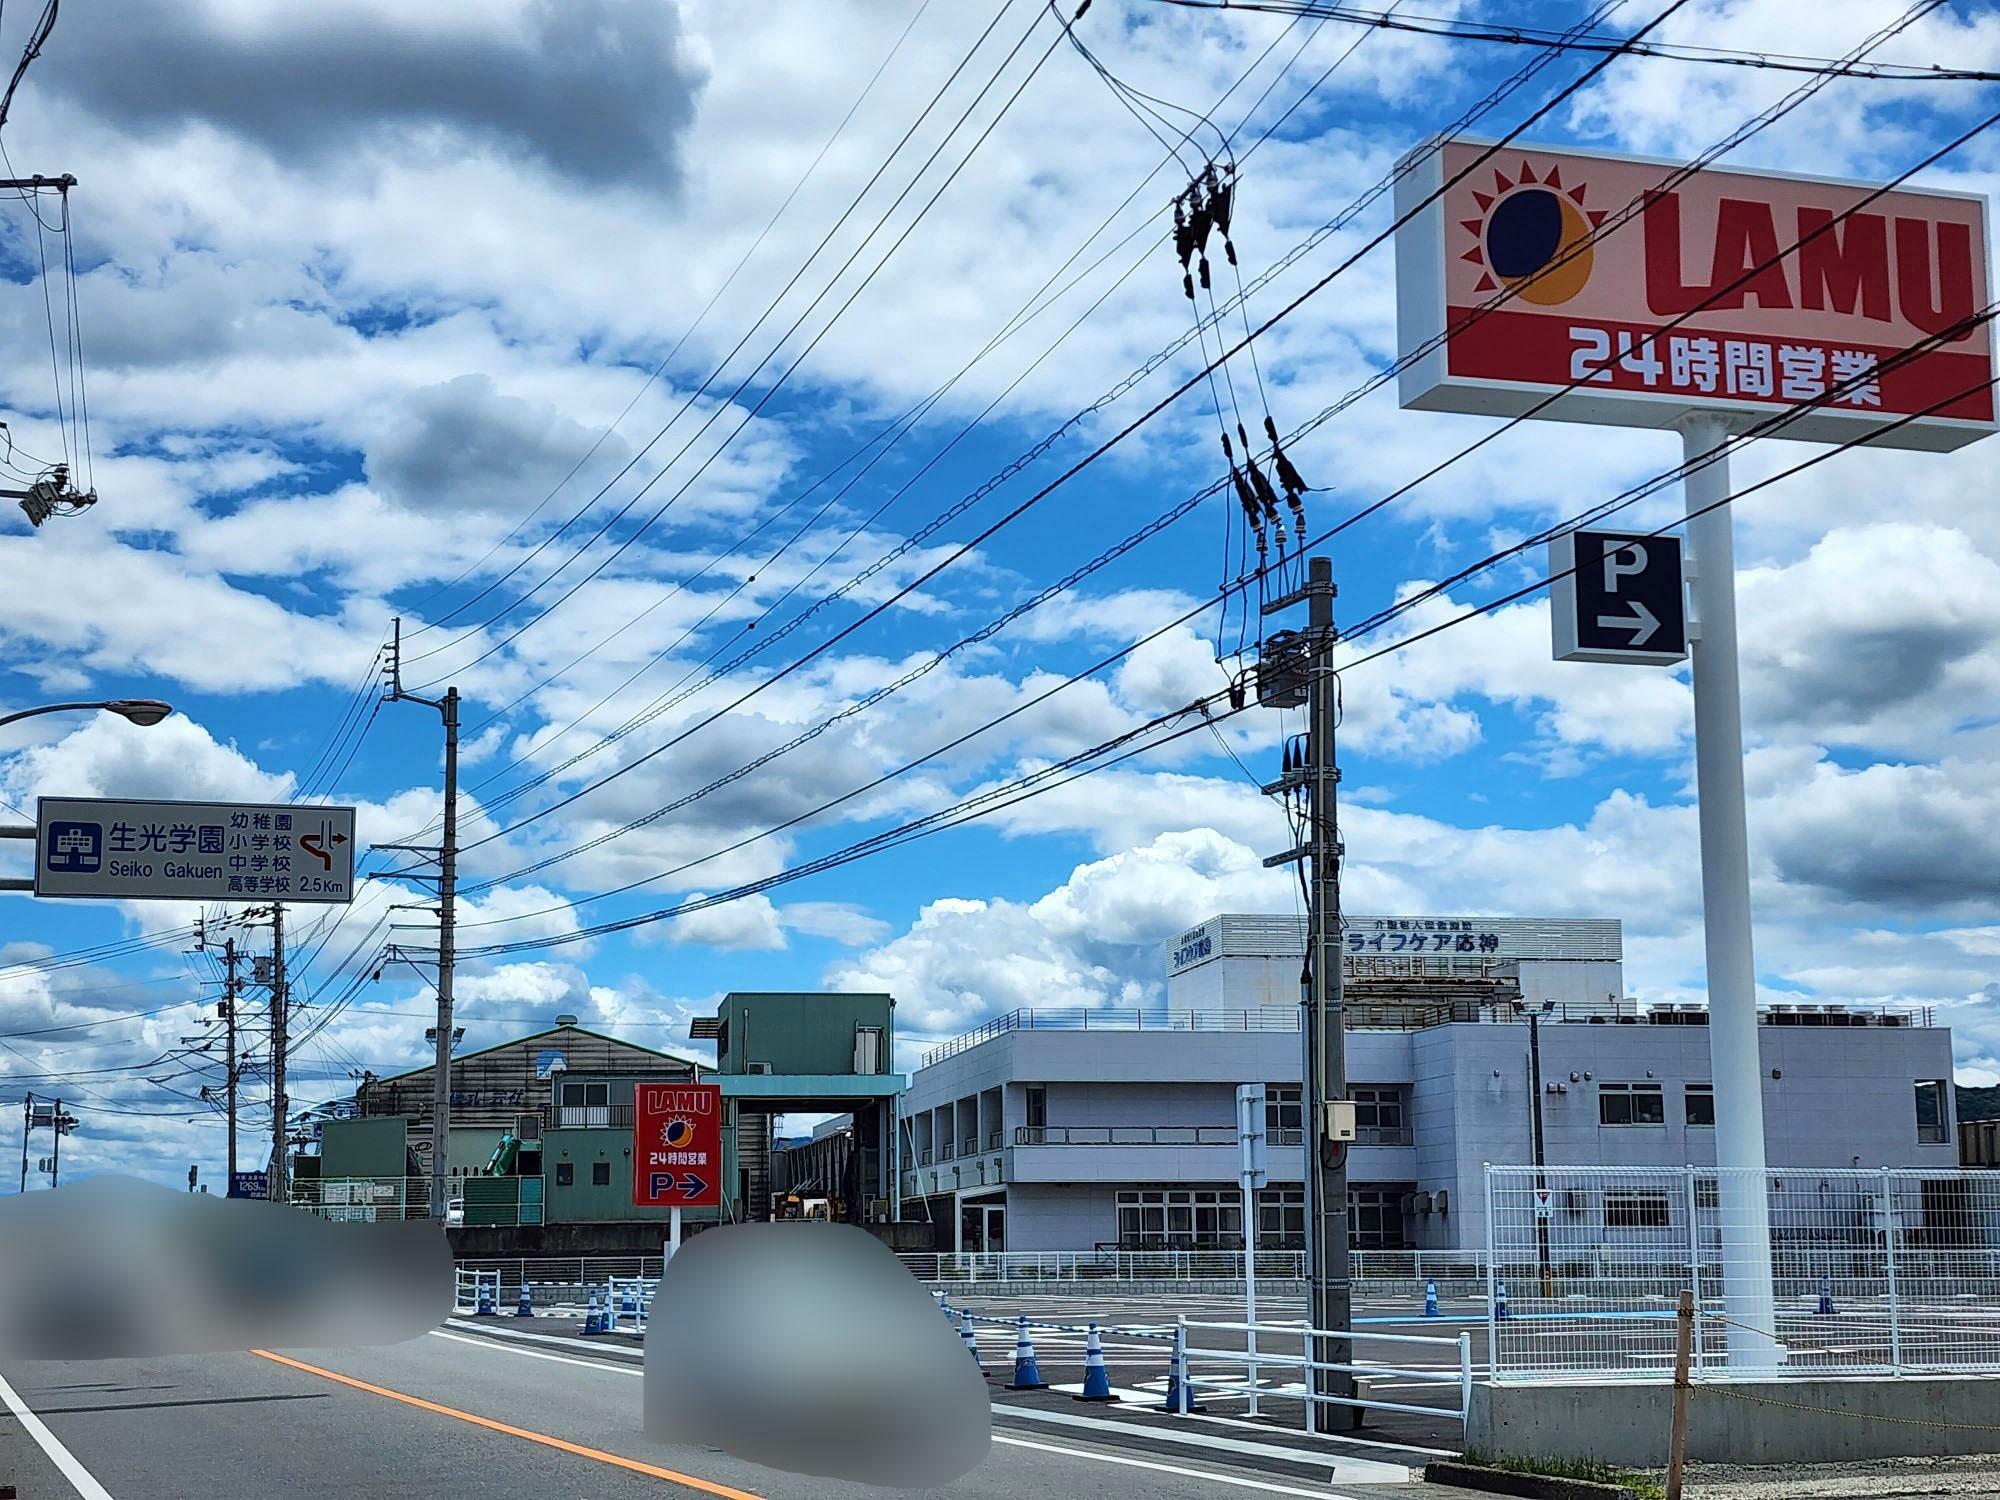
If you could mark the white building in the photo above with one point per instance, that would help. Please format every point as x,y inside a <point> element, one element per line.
<point>1070,1129</point>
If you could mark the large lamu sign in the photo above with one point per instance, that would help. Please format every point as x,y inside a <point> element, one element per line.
<point>1824,317</point>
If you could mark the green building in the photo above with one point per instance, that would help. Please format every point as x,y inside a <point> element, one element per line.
<point>541,1148</point>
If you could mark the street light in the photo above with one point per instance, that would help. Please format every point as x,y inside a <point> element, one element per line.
<point>144,712</point>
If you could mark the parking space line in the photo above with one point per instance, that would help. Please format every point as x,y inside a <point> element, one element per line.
<point>80,1479</point>
<point>561,1359</point>
<point>526,1434</point>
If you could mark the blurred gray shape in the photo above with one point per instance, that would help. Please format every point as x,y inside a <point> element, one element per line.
<point>808,1347</point>
<point>116,1268</point>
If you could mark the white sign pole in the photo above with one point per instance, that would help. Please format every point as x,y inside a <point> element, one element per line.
<point>1250,1285</point>
<point>1725,905</point>
<point>673,1232</point>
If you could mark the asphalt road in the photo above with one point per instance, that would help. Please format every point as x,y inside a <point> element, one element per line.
<point>513,1411</point>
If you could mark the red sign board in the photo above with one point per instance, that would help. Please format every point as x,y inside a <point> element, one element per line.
<point>677,1145</point>
<point>1779,289</point>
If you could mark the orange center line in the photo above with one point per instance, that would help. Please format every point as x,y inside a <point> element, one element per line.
<point>707,1486</point>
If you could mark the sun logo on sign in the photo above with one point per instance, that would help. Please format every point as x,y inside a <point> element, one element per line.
<point>1528,233</point>
<point>677,1133</point>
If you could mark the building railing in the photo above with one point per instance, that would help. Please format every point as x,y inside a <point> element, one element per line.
<point>1143,1135</point>
<point>1382,1135</point>
<point>1401,1274</point>
<point>593,1116</point>
<point>1278,1018</point>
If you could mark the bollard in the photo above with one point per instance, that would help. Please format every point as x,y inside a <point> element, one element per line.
<point>1180,1394</point>
<point>1430,1299</point>
<point>1500,1302</point>
<point>1826,1296</point>
<point>1096,1378</point>
<point>970,1339</point>
<point>1027,1374</point>
<point>525,1308</point>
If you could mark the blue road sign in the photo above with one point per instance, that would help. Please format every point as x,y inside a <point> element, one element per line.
<point>250,1184</point>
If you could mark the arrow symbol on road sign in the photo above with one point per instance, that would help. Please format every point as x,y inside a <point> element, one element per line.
<point>692,1186</point>
<point>1642,622</point>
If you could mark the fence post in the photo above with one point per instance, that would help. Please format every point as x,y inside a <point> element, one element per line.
<point>1889,1247</point>
<point>1694,1259</point>
<point>1492,1259</point>
<point>1464,1376</point>
<point>1685,1323</point>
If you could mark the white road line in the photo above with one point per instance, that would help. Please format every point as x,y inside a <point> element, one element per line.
<point>1160,1468</point>
<point>80,1479</point>
<point>561,1359</point>
<point>495,1331</point>
<point>1343,1467</point>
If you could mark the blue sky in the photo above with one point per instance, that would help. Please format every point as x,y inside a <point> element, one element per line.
<point>359,291</point>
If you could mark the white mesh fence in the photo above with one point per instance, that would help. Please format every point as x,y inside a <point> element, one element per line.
<point>1893,1271</point>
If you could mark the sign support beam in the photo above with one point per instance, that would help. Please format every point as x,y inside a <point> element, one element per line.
<point>1725,901</point>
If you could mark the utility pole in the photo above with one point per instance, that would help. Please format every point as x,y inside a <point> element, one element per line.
<point>1283,659</point>
<point>447,854</point>
<point>55,1158</point>
<point>280,1008</point>
<point>1541,1151</point>
<point>229,1025</point>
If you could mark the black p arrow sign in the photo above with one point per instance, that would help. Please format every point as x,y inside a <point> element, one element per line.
<point>1617,596</point>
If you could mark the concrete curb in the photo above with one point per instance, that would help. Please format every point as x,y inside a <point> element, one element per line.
<point>1532,1486</point>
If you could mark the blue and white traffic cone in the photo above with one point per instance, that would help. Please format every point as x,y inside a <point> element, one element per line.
<point>631,1301</point>
<point>486,1309</point>
<point>970,1339</point>
<point>1027,1374</point>
<point>1430,1299</point>
<point>1826,1296</point>
<point>1500,1313</point>
<point>1180,1394</point>
<point>525,1308</point>
<point>1096,1378</point>
<point>591,1323</point>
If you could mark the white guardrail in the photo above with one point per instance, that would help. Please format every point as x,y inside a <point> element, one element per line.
<point>1310,1356</point>
<point>1456,1272</point>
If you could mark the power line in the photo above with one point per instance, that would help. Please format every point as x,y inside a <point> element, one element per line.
<point>1028,311</point>
<point>767,640</point>
<point>1076,468</point>
<point>1768,426</point>
<point>1534,36</point>
<point>716,373</point>
<point>660,368</point>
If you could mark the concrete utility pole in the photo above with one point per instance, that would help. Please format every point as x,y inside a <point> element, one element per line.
<point>447,854</point>
<point>229,994</point>
<point>280,1006</point>
<point>1330,1294</point>
<point>1328,1121</point>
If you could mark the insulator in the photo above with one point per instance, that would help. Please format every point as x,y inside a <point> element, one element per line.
<point>1236,694</point>
<point>1183,235</point>
<point>1187,286</point>
<point>1247,498</point>
<point>1204,273</point>
<point>1266,496</point>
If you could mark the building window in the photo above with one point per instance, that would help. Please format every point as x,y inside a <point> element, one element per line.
<point>1378,1117</point>
<point>1284,1110</point>
<point>1281,1218</point>
<point>565,1174</point>
<point>1707,1193</point>
<point>585,1104</point>
<point>1634,1209</point>
<point>1376,1218</point>
<point>1701,1104</point>
<point>1631,1104</point>
<point>1038,1107</point>
<point>1932,1128</point>
<point>600,1174</point>
<point>1181,1219</point>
